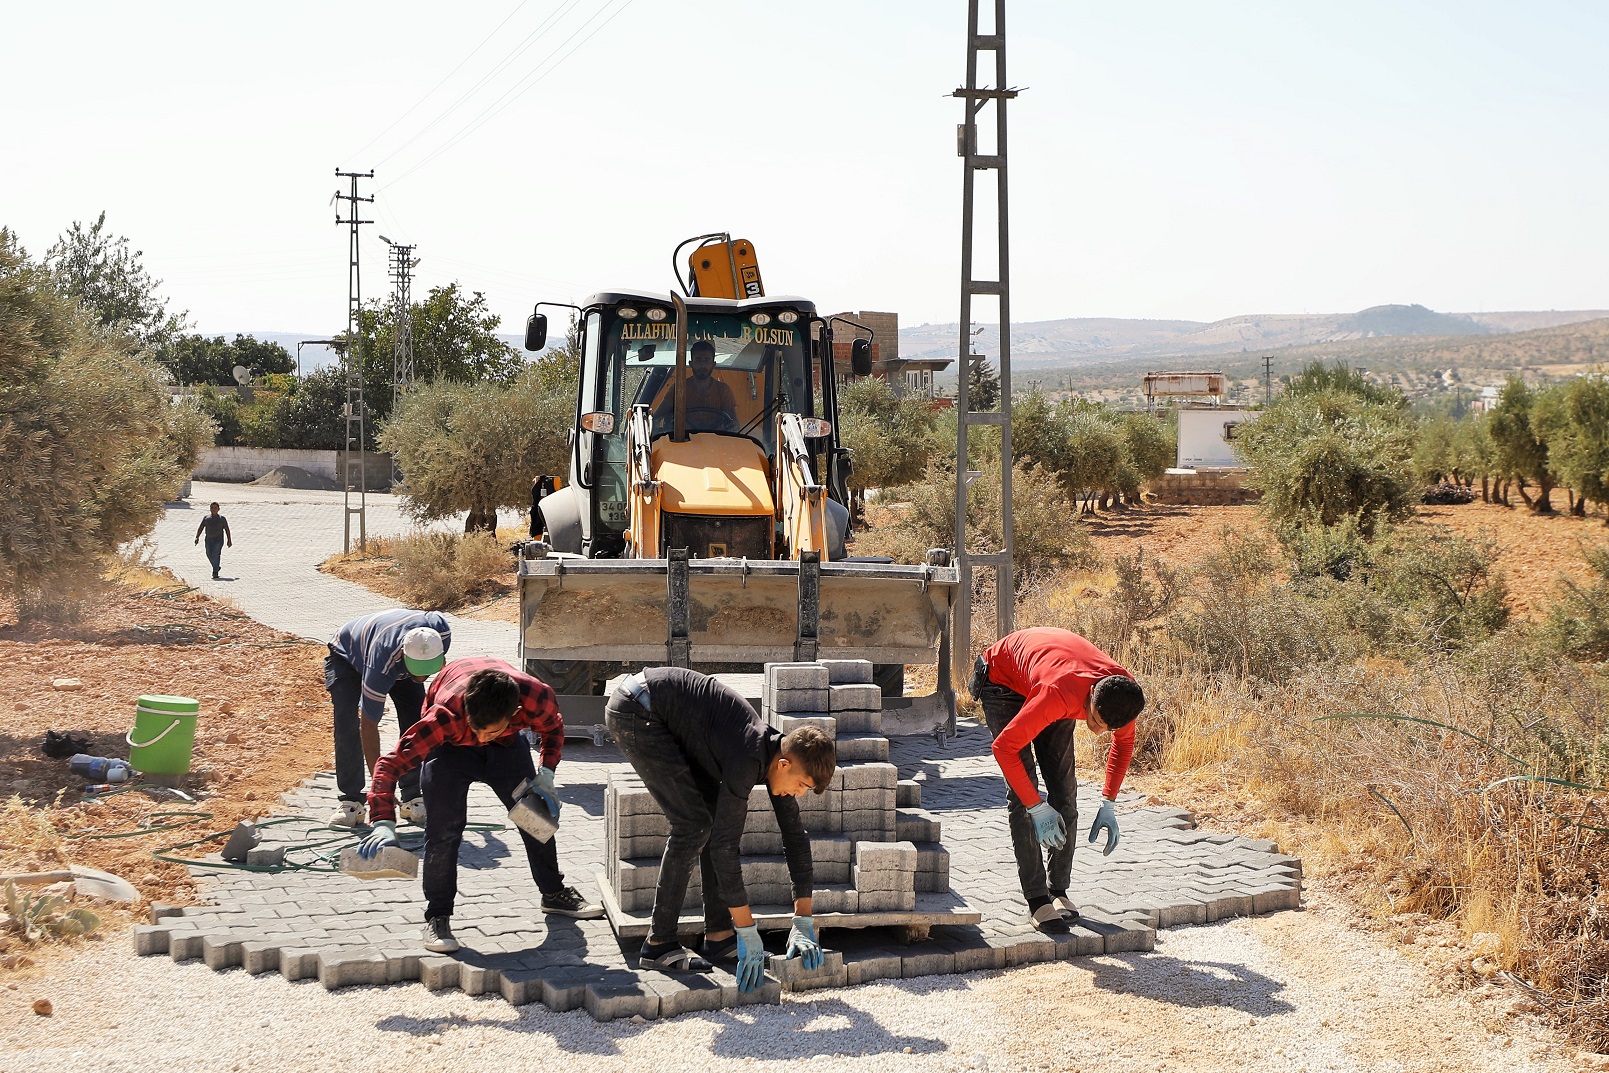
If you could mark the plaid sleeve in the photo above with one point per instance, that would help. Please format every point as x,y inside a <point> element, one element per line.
<point>539,711</point>
<point>412,748</point>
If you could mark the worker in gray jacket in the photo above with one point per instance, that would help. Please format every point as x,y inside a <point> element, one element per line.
<point>700,748</point>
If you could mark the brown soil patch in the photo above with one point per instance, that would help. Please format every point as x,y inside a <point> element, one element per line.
<point>263,727</point>
<point>1535,550</point>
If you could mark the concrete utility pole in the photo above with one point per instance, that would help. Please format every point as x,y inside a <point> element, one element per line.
<point>975,100</point>
<point>354,368</point>
<point>403,262</point>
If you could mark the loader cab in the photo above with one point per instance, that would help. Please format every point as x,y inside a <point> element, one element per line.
<point>771,355</point>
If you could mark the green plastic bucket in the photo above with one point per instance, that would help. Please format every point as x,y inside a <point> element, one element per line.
<point>164,734</point>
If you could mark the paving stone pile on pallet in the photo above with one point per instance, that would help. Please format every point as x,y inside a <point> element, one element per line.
<point>878,859</point>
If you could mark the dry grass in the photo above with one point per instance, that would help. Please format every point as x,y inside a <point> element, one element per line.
<point>1241,665</point>
<point>432,570</point>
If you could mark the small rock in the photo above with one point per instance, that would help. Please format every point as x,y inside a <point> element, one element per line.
<point>231,738</point>
<point>908,1050</point>
<point>67,685</point>
<point>1484,967</point>
<point>638,1019</point>
<point>250,795</point>
<point>43,1007</point>
<point>11,987</point>
<point>226,706</point>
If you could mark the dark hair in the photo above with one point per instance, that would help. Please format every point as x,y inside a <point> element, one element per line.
<point>490,698</point>
<point>1118,700</point>
<point>211,505</point>
<point>702,344</point>
<point>811,749</point>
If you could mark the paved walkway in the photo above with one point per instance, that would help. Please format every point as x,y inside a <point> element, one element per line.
<point>281,535</point>
<point>344,931</point>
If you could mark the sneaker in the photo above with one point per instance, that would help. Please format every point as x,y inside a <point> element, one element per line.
<point>412,811</point>
<point>439,935</point>
<point>1064,905</point>
<point>569,903</point>
<point>1047,918</point>
<point>348,814</point>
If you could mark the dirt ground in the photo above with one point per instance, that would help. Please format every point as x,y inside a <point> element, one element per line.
<point>263,727</point>
<point>377,572</point>
<point>1535,550</point>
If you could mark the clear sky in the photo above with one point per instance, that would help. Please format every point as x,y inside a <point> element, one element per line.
<point>1177,160</point>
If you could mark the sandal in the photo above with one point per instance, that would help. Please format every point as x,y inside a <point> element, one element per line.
<point>720,949</point>
<point>676,959</point>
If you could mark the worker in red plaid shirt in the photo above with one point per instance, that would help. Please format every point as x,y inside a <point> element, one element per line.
<point>470,732</point>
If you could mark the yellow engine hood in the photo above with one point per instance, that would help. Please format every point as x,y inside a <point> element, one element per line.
<point>712,474</point>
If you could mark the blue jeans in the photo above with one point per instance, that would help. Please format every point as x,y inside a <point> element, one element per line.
<point>346,688</point>
<point>214,546</point>
<point>447,778</point>
<point>689,806</point>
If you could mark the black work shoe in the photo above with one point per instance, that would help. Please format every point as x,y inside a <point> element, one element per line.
<point>567,902</point>
<point>1048,919</point>
<point>721,950</point>
<point>439,935</point>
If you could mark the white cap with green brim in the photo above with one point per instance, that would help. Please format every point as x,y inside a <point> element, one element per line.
<point>423,651</point>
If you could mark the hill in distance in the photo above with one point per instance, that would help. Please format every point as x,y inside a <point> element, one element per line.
<point>1074,342</point>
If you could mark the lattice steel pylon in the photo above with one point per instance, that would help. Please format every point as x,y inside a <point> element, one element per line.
<point>974,99</point>
<point>355,442</point>
<point>403,262</point>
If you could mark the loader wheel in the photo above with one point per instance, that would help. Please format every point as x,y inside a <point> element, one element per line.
<point>567,677</point>
<point>890,678</point>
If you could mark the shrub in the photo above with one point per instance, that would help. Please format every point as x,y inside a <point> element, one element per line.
<point>1325,455</point>
<point>90,445</point>
<point>440,571</point>
<point>1578,624</point>
<point>1047,537</point>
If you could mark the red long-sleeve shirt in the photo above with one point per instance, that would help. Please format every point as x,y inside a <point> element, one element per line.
<point>445,722</point>
<point>1055,670</point>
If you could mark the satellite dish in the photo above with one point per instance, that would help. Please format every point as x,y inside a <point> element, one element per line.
<point>242,375</point>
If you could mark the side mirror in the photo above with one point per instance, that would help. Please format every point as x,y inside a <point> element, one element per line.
<point>860,357</point>
<point>536,331</point>
<point>599,421</point>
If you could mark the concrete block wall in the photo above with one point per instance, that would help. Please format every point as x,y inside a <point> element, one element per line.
<point>872,845</point>
<point>1203,487</point>
<point>239,464</point>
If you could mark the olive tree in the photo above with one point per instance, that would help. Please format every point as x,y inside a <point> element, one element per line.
<point>91,447</point>
<point>475,447</point>
<point>1325,453</point>
<point>890,439</point>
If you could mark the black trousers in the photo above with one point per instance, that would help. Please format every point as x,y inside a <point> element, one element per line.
<point>689,806</point>
<point>1053,748</point>
<point>446,781</point>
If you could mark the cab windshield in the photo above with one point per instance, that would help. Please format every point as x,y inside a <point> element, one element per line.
<point>740,373</point>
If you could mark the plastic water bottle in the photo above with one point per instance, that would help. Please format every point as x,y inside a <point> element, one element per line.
<point>99,768</point>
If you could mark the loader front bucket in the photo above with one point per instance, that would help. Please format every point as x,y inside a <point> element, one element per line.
<point>625,613</point>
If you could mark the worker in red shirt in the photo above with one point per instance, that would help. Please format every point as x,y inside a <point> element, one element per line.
<point>470,733</point>
<point>1034,686</point>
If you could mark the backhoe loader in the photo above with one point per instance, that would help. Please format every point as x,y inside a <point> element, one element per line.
<point>704,521</point>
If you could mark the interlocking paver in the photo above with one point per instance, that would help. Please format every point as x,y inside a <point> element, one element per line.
<point>318,923</point>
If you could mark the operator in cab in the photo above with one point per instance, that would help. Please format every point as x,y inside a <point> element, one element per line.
<point>711,407</point>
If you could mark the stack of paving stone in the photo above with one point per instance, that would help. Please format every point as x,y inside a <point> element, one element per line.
<point>877,855</point>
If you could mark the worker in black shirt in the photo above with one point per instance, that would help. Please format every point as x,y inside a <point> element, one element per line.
<point>216,526</point>
<point>700,748</point>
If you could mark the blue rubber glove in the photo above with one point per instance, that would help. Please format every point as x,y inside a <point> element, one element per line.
<point>1106,820</point>
<point>1048,826</point>
<point>750,958</point>
<point>383,834</point>
<point>542,786</point>
<point>802,943</point>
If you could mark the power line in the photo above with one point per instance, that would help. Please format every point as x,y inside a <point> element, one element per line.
<point>518,91</point>
<point>527,43</point>
<point>449,74</point>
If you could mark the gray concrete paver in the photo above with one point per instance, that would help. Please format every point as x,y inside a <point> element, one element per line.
<point>307,922</point>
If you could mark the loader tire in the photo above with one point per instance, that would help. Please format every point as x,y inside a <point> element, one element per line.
<point>567,677</point>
